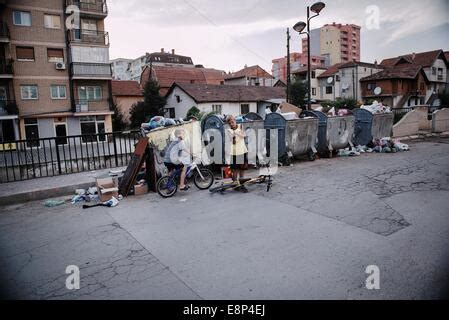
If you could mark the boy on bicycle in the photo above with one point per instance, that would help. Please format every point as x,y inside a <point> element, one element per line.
<point>178,157</point>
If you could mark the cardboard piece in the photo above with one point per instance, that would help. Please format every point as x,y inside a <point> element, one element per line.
<point>287,107</point>
<point>140,189</point>
<point>107,188</point>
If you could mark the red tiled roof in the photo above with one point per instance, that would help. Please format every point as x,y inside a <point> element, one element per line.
<point>223,93</point>
<point>166,76</point>
<point>361,64</point>
<point>424,59</point>
<point>330,71</point>
<point>402,71</point>
<point>126,88</point>
<point>253,71</point>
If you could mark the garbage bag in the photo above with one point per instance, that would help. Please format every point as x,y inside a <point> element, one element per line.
<point>157,122</point>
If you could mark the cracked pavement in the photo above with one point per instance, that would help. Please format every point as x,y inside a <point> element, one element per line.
<point>311,237</point>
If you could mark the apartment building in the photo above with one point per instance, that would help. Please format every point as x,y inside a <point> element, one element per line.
<point>297,61</point>
<point>59,79</point>
<point>338,43</point>
<point>120,69</point>
<point>134,68</point>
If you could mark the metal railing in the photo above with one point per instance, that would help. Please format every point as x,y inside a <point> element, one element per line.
<point>99,6</point>
<point>6,67</point>
<point>85,105</point>
<point>91,70</point>
<point>4,30</point>
<point>88,36</point>
<point>34,158</point>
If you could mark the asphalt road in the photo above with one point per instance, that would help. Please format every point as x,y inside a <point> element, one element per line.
<point>311,237</point>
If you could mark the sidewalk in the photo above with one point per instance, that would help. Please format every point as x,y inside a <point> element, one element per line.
<point>49,187</point>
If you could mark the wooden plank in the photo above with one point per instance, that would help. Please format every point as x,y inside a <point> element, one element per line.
<point>129,177</point>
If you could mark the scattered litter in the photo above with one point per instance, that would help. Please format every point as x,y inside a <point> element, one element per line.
<point>110,203</point>
<point>347,153</point>
<point>401,146</point>
<point>343,112</point>
<point>183,200</point>
<point>80,192</point>
<point>53,203</point>
<point>376,107</point>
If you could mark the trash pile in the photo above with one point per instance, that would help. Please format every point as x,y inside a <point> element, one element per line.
<point>88,195</point>
<point>160,122</point>
<point>376,107</point>
<point>384,145</point>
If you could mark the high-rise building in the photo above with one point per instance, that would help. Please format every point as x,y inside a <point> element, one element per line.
<point>58,79</point>
<point>339,43</point>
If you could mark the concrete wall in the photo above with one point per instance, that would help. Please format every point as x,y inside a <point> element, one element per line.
<point>408,125</point>
<point>440,121</point>
<point>424,122</point>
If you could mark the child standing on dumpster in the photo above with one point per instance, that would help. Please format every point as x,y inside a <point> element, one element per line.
<point>238,151</point>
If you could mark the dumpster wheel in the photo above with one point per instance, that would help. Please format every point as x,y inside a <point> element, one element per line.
<point>311,156</point>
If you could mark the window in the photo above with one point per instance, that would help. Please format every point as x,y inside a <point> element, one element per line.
<point>216,108</point>
<point>178,99</point>
<point>55,55</point>
<point>440,73</point>
<point>328,90</point>
<point>25,53</point>
<point>89,26</point>
<point>90,93</point>
<point>314,91</point>
<point>29,92</point>
<point>313,75</point>
<point>337,77</point>
<point>52,21</point>
<point>31,132</point>
<point>93,128</point>
<point>244,108</point>
<point>21,18</point>
<point>370,86</point>
<point>434,71</point>
<point>58,92</point>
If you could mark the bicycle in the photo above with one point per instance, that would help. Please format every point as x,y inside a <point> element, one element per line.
<point>267,179</point>
<point>167,186</point>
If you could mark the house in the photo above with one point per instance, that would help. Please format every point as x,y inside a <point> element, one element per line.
<point>298,60</point>
<point>166,76</point>
<point>58,79</point>
<point>250,76</point>
<point>230,100</point>
<point>435,65</point>
<point>350,74</point>
<point>125,94</point>
<point>131,69</point>
<point>315,71</point>
<point>329,83</point>
<point>398,86</point>
<point>280,84</point>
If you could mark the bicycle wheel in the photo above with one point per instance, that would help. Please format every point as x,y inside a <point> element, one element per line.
<point>223,187</point>
<point>166,186</point>
<point>205,182</point>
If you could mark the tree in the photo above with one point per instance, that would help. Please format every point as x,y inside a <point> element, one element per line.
<point>194,112</point>
<point>298,92</point>
<point>153,105</point>
<point>118,124</point>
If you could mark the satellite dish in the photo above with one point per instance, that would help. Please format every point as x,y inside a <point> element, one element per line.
<point>377,91</point>
<point>345,86</point>
<point>330,80</point>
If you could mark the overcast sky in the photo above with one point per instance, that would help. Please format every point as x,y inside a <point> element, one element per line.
<point>228,34</point>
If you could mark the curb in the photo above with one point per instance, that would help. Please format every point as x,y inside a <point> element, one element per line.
<point>42,194</point>
<point>423,135</point>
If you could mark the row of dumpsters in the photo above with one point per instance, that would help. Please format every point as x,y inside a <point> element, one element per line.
<point>313,132</point>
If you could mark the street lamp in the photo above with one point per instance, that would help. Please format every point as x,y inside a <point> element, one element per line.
<point>299,27</point>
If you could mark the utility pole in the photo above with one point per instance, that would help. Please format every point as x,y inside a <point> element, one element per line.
<point>288,65</point>
<point>309,61</point>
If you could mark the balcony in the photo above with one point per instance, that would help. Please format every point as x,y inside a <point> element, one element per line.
<point>4,32</point>
<point>92,9</point>
<point>88,37</point>
<point>6,69</point>
<point>85,105</point>
<point>97,71</point>
<point>8,107</point>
